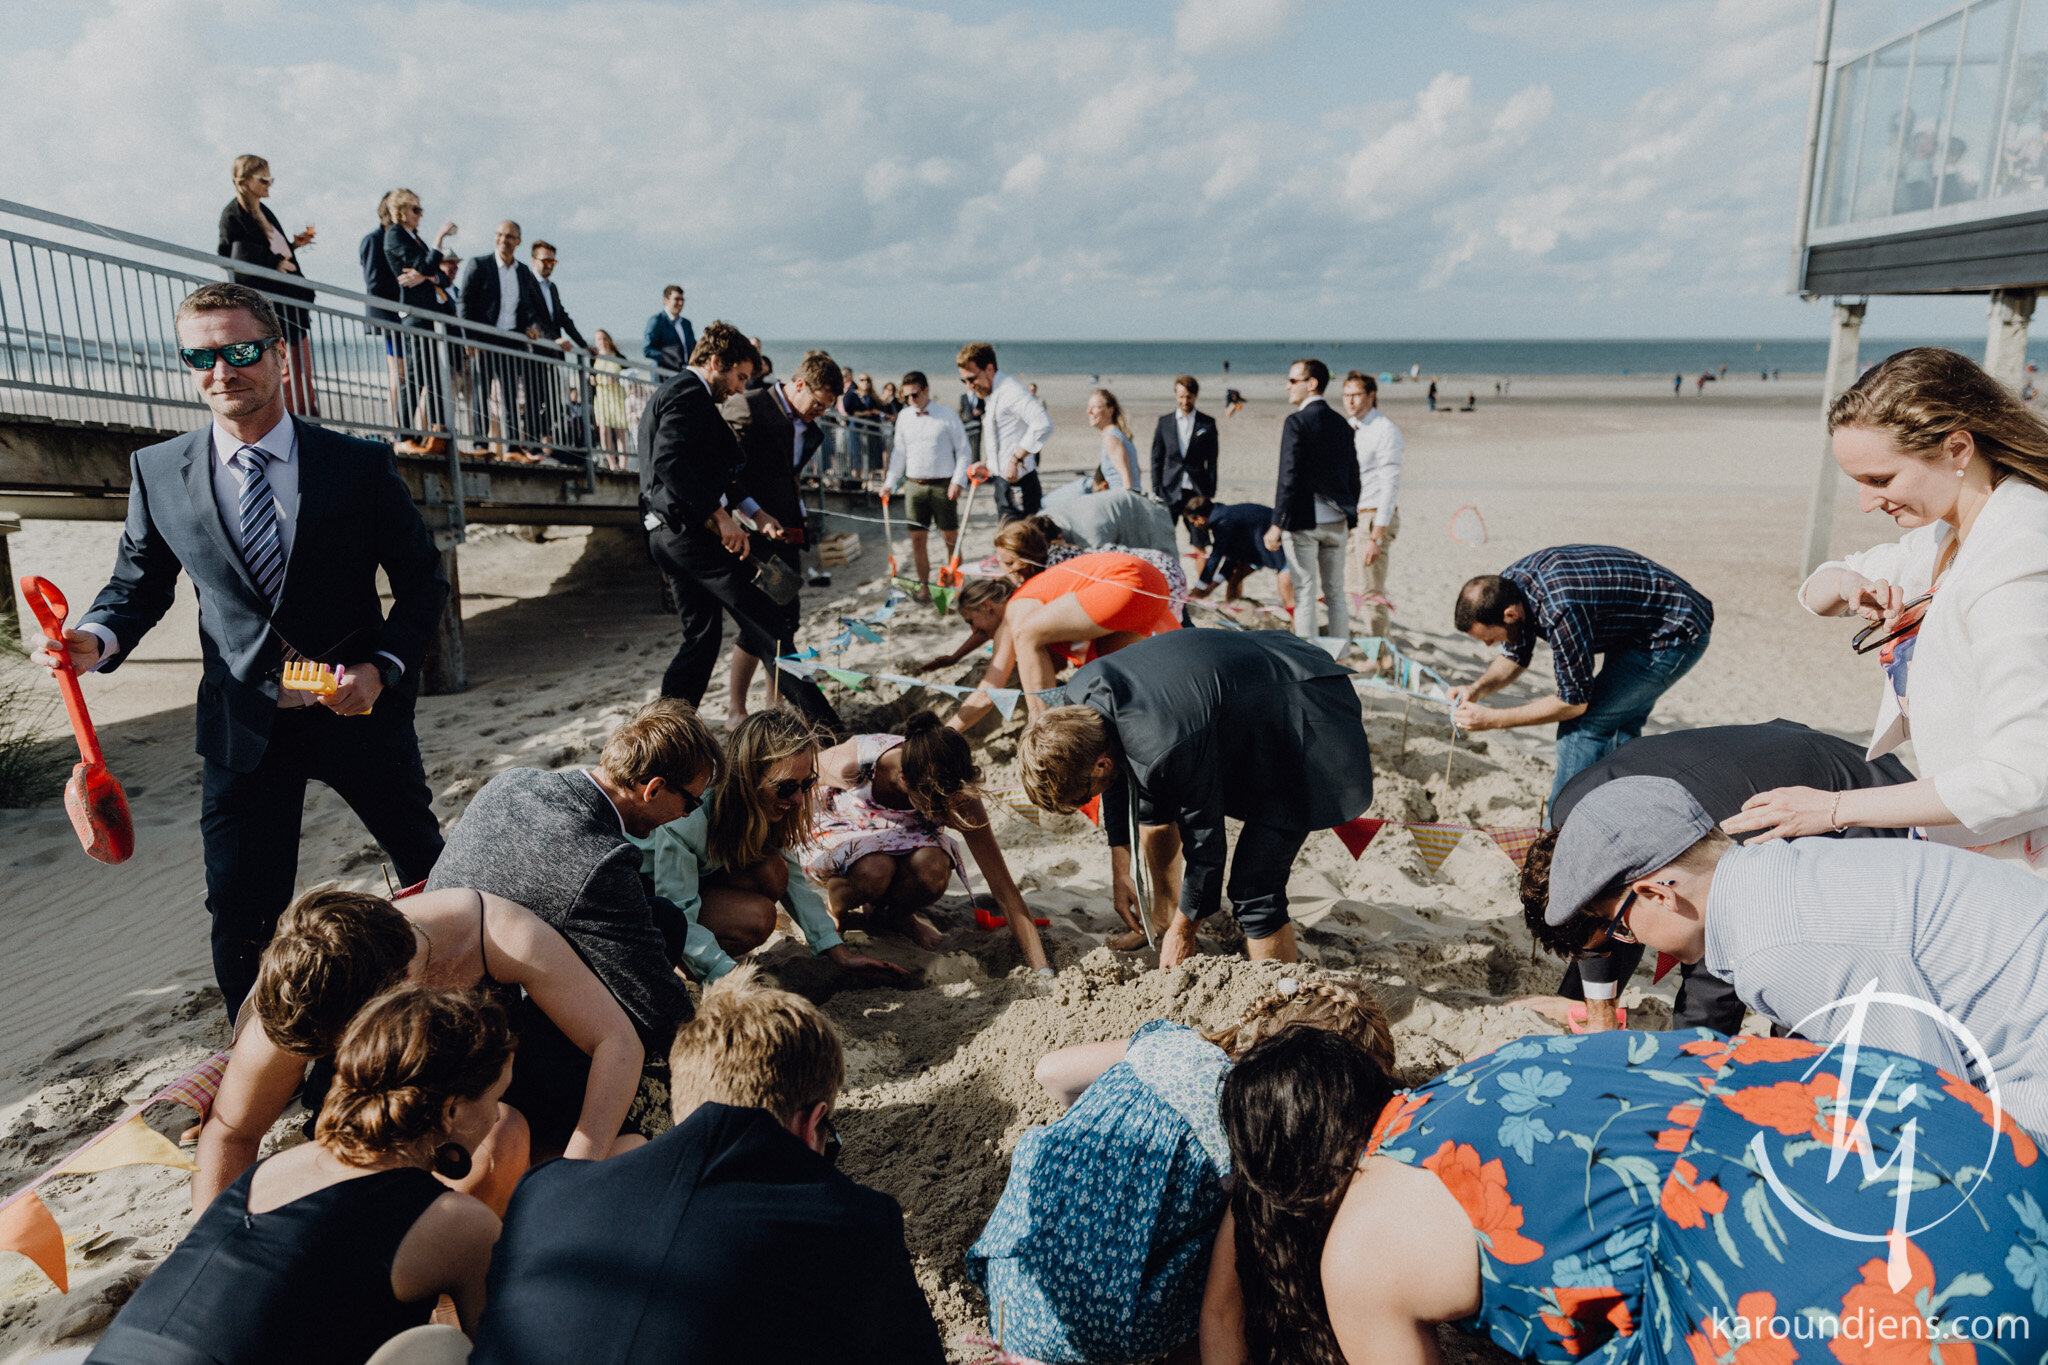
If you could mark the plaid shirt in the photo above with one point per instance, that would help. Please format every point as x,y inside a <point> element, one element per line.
<point>1595,599</point>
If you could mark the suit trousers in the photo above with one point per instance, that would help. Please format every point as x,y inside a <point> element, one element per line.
<point>708,582</point>
<point>1020,499</point>
<point>249,822</point>
<point>1315,559</point>
<point>1259,868</point>
<point>489,370</point>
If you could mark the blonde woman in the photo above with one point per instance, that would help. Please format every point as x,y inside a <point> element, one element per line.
<point>608,407</point>
<point>1119,469</point>
<point>1958,606</point>
<point>250,232</point>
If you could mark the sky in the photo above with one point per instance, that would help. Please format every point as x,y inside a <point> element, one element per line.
<point>1150,169</point>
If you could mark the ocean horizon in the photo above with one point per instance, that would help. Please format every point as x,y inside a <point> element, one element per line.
<point>888,360</point>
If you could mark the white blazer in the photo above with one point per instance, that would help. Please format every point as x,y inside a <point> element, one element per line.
<point>1977,685</point>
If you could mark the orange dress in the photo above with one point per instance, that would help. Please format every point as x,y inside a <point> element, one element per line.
<point>1119,592</point>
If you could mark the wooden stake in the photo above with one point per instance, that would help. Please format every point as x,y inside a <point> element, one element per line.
<point>1450,752</point>
<point>1404,728</point>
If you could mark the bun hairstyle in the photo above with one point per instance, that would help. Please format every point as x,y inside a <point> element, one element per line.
<point>938,768</point>
<point>1919,396</point>
<point>1334,1004</point>
<point>333,952</point>
<point>1298,1110</point>
<point>985,592</point>
<point>1030,540</point>
<point>407,1054</point>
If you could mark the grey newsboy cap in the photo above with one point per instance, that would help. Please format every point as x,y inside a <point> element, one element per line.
<point>1618,832</point>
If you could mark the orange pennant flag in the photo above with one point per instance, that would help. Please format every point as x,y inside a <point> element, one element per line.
<point>1435,841</point>
<point>27,1227</point>
<point>1092,808</point>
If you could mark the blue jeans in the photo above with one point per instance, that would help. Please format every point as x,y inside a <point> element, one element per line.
<point>1626,687</point>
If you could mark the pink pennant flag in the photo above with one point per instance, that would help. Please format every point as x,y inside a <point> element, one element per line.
<point>197,1087</point>
<point>1514,841</point>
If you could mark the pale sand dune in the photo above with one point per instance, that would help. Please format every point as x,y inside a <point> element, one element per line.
<point>105,970</point>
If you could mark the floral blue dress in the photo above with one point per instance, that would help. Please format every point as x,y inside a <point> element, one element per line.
<point>1099,1247</point>
<point>1653,1197</point>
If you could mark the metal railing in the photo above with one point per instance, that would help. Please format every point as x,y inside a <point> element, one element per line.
<point>86,336</point>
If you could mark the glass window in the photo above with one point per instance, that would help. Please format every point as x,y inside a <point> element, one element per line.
<point>1980,84</point>
<point>1926,112</point>
<point>1838,171</point>
<point>1884,111</point>
<point>2023,154</point>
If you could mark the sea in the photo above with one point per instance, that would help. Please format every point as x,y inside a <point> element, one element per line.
<point>890,359</point>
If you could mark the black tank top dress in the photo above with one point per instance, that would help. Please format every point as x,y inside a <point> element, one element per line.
<point>307,1283</point>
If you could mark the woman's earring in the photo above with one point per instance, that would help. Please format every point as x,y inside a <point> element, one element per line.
<point>1959,472</point>
<point>452,1161</point>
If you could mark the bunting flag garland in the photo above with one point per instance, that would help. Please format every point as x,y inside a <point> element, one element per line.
<point>27,1227</point>
<point>1435,842</point>
<point>131,1143</point>
<point>1513,842</point>
<point>1358,834</point>
<point>1435,839</point>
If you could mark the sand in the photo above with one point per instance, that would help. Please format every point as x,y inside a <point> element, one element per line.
<point>106,974</point>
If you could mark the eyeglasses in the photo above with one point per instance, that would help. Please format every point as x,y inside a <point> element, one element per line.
<point>794,786</point>
<point>240,354</point>
<point>1908,621</point>
<point>833,1146</point>
<point>1617,928</point>
<point>692,803</point>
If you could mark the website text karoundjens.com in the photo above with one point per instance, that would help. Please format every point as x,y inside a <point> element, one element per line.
<point>1871,1327</point>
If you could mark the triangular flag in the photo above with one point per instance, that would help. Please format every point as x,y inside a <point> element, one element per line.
<point>133,1143</point>
<point>854,627</point>
<point>197,1087</point>
<point>1435,842</point>
<point>27,1227</point>
<point>841,642</point>
<point>1370,646</point>
<point>1515,841</point>
<point>1092,808</point>
<point>1358,834</point>
<point>1334,645</point>
<point>1665,962</point>
<point>1019,803</point>
<point>1006,699</point>
<point>795,669</point>
<point>900,680</point>
<point>942,599</point>
<point>856,681</point>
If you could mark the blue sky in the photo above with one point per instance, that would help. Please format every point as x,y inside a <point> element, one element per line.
<point>1193,168</point>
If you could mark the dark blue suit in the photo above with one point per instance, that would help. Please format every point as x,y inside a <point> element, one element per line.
<point>1317,459</point>
<point>1237,539</point>
<point>660,344</point>
<point>724,1239</point>
<point>354,516</point>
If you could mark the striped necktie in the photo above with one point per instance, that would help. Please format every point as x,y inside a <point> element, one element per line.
<point>262,538</point>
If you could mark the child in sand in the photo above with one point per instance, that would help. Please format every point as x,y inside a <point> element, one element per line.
<point>884,806</point>
<point>1099,1249</point>
<point>323,1253</point>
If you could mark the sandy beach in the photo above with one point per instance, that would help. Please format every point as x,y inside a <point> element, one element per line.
<point>106,970</point>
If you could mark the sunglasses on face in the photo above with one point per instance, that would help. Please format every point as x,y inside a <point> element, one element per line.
<point>692,803</point>
<point>793,786</point>
<point>240,354</point>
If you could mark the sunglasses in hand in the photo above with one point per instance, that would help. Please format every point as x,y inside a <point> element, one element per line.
<point>1905,623</point>
<point>240,354</point>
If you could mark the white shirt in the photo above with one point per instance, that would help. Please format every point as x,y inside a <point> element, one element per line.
<point>1013,418</point>
<point>508,294</point>
<point>1379,448</point>
<point>929,443</point>
<point>1184,424</point>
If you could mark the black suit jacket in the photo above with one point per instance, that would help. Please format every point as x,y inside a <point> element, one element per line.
<point>355,516</point>
<point>379,279</point>
<point>243,238</point>
<point>1317,458</point>
<point>689,457</point>
<point>1170,462</point>
<point>767,435</point>
<point>478,292</point>
<point>1253,725</point>
<point>404,251</point>
<point>723,1240</point>
<point>555,321</point>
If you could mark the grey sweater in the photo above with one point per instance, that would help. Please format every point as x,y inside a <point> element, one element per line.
<point>552,842</point>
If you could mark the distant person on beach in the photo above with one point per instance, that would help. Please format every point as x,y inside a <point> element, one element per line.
<point>1099,1249</point>
<point>1184,453</point>
<point>228,506</point>
<point>892,401</point>
<point>728,1238</point>
<point>1432,395</point>
<point>1958,608</point>
<point>1315,500</point>
<point>1237,548</point>
<point>609,406</point>
<point>381,282</point>
<point>880,843</point>
<point>1677,386</point>
<point>422,284</point>
<point>1014,429</point>
<point>1233,402</point>
<point>326,1251</point>
<point>928,453</point>
<point>1380,449</point>
<point>1118,471</point>
<point>669,340</point>
<point>498,291</point>
<point>558,332</point>
<point>1190,729</point>
<point>250,232</point>
<point>1647,625</point>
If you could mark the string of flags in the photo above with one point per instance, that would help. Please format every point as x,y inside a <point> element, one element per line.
<point>1435,839</point>
<point>1006,699</point>
<point>26,1224</point>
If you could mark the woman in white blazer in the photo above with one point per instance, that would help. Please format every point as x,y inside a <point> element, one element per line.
<point>1950,454</point>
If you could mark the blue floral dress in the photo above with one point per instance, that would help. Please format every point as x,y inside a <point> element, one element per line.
<point>1099,1247</point>
<point>1645,1197</point>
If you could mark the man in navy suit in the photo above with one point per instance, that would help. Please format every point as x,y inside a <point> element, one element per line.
<point>670,340</point>
<point>558,330</point>
<point>1315,502</point>
<point>499,291</point>
<point>281,526</point>
<point>1184,455</point>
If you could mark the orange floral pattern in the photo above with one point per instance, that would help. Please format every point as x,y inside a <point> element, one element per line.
<point>2023,1149</point>
<point>1684,1118</point>
<point>1689,1201</point>
<point>1794,1108</point>
<point>1712,1346</point>
<point>1875,1301</point>
<point>1395,1119</point>
<point>1587,1319</point>
<point>1481,1189</point>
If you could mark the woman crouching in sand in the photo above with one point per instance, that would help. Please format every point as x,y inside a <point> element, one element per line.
<point>884,806</point>
<point>324,1252</point>
<point>1099,1249</point>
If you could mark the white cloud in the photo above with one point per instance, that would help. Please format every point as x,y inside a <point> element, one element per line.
<point>1204,28</point>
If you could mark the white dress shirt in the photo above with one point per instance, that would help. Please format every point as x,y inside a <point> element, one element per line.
<point>1184,424</point>
<point>1379,448</point>
<point>508,295</point>
<point>1013,418</point>
<point>930,443</point>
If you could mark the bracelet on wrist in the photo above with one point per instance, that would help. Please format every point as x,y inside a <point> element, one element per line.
<point>1834,815</point>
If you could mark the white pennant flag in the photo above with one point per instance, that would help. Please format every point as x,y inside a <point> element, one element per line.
<point>1335,645</point>
<point>1006,699</point>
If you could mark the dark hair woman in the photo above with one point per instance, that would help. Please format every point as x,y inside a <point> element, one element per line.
<point>1563,1194</point>
<point>322,1253</point>
<point>884,806</point>
<point>250,232</point>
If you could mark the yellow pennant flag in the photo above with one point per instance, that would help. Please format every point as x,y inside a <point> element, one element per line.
<point>1435,842</point>
<point>27,1227</point>
<point>133,1143</point>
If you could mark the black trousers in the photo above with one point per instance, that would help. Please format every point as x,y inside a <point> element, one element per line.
<point>1259,869</point>
<point>249,822</point>
<point>543,409</point>
<point>1020,499</point>
<point>1704,1000</point>
<point>422,352</point>
<point>708,582</point>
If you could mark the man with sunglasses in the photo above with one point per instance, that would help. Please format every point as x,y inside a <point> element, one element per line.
<point>1798,926</point>
<point>282,527</point>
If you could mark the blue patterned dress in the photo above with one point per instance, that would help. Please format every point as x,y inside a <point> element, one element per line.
<point>1619,1184</point>
<point>1099,1247</point>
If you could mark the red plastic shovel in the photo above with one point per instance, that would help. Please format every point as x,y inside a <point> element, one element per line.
<point>92,798</point>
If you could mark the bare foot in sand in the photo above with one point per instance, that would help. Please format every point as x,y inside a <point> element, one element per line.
<point>1129,941</point>
<point>910,924</point>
